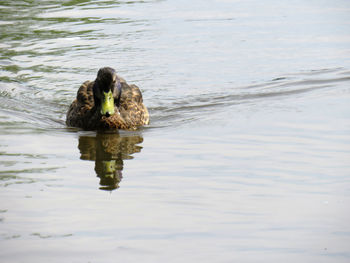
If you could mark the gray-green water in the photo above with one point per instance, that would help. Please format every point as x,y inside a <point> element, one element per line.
<point>247,155</point>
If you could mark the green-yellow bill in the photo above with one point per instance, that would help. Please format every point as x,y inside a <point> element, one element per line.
<point>107,104</point>
<point>108,168</point>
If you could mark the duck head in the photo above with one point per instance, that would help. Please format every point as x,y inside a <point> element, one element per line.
<point>107,91</point>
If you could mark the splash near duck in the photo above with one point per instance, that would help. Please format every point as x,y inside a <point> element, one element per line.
<point>108,103</point>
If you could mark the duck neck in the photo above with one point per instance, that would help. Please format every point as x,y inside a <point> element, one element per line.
<point>119,94</point>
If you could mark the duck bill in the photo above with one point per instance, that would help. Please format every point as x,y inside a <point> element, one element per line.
<point>108,168</point>
<point>107,104</point>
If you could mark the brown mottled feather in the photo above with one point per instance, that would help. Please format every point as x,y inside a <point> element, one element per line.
<point>131,113</point>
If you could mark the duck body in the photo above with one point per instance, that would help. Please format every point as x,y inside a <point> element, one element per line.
<point>108,103</point>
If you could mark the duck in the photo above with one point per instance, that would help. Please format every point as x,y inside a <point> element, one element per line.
<point>107,103</point>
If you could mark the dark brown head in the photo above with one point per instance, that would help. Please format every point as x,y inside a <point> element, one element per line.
<point>107,91</point>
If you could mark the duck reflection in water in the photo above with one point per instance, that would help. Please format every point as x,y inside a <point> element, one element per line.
<point>108,150</point>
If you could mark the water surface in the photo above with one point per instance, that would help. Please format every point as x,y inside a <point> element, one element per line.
<point>247,154</point>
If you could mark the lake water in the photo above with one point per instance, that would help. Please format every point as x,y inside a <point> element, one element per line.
<point>246,159</point>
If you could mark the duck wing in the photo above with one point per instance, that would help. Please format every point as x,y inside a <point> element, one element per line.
<point>80,111</point>
<point>131,108</point>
